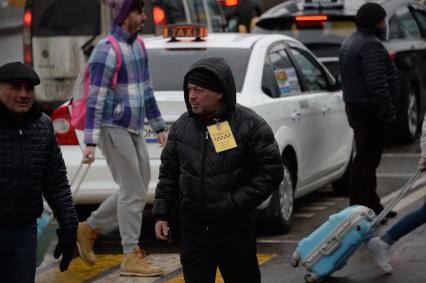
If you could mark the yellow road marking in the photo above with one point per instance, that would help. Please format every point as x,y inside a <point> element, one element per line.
<point>78,271</point>
<point>262,258</point>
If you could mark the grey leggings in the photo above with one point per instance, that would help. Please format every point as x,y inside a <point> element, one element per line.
<point>128,161</point>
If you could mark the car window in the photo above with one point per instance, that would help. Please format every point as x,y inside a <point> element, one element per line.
<point>279,75</point>
<point>168,66</point>
<point>331,31</point>
<point>312,73</point>
<point>395,30</point>
<point>215,15</point>
<point>66,17</point>
<point>197,12</point>
<point>408,23</point>
<point>420,15</point>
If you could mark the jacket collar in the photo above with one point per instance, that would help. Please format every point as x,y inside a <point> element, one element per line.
<point>375,31</point>
<point>121,35</point>
<point>8,118</point>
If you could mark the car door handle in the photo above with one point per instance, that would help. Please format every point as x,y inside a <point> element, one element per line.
<point>325,109</point>
<point>295,116</point>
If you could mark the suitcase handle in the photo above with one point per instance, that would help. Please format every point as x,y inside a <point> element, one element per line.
<point>395,201</point>
<point>79,176</point>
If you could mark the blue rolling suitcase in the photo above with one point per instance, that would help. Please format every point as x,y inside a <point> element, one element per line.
<point>329,247</point>
<point>46,226</point>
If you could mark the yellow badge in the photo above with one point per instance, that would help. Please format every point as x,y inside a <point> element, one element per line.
<point>222,136</point>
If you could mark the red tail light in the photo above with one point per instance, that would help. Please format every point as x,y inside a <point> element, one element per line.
<point>28,18</point>
<point>159,15</point>
<point>321,18</point>
<point>28,53</point>
<point>229,3</point>
<point>65,133</point>
<point>392,54</point>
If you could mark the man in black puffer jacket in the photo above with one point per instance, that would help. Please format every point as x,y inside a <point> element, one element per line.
<point>220,162</point>
<point>370,85</point>
<point>31,166</point>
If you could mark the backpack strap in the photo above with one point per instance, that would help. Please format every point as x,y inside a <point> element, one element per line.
<point>117,50</point>
<point>86,80</point>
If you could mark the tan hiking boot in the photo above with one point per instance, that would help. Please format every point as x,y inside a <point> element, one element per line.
<point>86,237</point>
<point>135,264</point>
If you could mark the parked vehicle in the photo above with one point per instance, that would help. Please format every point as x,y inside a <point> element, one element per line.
<point>323,25</point>
<point>59,36</point>
<point>239,13</point>
<point>276,76</point>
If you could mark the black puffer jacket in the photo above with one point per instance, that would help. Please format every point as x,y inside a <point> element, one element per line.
<point>31,165</point>
<point>217,188</point>
<point>369,76</point>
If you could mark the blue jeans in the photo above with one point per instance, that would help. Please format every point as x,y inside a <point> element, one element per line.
<point>404,226</point>
<point>18,254</point>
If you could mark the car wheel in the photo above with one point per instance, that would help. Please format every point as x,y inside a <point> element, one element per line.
<point>410,117</point>
<point>342,185</point>
<point>282,202</point>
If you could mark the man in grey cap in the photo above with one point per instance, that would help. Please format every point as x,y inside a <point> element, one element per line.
<point>31,167</point>
<point>370,85</point>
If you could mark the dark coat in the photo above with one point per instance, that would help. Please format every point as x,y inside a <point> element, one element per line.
<point>369,76</point>
<point>217,188</point>
<point>31,165</point>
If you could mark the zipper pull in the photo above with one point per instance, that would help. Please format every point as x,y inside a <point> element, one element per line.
<point>207,135</point>
<point>20,132</point>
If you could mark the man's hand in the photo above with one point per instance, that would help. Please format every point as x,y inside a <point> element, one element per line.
<point>162,230</point>
<point>162,138</point>
<point>89,154</point>
<point>422,164</point>
<point>67,239</point>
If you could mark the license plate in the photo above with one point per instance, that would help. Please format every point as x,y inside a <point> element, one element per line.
<point>58,91</point>
<point>150,135</point>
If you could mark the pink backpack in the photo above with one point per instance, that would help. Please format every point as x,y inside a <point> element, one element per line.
<point>80,90</point>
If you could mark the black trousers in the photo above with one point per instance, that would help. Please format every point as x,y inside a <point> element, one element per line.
<point>370,135</point>
<point>204,248</point>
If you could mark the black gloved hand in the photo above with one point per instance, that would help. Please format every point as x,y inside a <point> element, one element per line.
<point>67,240</point>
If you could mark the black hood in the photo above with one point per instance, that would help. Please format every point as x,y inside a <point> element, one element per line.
<point>220,68</point>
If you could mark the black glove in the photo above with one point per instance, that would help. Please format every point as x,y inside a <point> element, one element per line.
<point>67,239</point>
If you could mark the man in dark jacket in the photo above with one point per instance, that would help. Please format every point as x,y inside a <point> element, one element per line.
<point>370,83</point>
<point>31,166</point>
<point>220,162</point>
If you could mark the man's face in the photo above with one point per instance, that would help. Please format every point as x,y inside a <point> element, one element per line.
<point>204,102</point>
<point>17,97</point>
<point>136,21</point>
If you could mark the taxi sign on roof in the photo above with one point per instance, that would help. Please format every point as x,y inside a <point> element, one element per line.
<point>185,31</point>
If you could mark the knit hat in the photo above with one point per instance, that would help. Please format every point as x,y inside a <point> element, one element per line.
<point>369,15</point>
<point>18,72</point>
<point>205,79</point>
<point>120,10</point>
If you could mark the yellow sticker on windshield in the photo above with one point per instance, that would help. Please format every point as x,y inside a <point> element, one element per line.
<point>281,75</point>
<point>222,136</point>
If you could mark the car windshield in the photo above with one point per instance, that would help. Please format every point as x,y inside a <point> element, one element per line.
<point>66,17</point>
<point>168,66</point>
<point>310,32</point>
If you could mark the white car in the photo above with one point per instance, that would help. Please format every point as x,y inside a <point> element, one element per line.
<point>276,76</point>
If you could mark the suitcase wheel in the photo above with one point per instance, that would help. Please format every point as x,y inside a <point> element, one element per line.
<point>312,278</point>
<point>295,258</point>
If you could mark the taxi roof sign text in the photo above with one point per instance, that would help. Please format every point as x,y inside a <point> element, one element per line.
<point>185,31</point>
